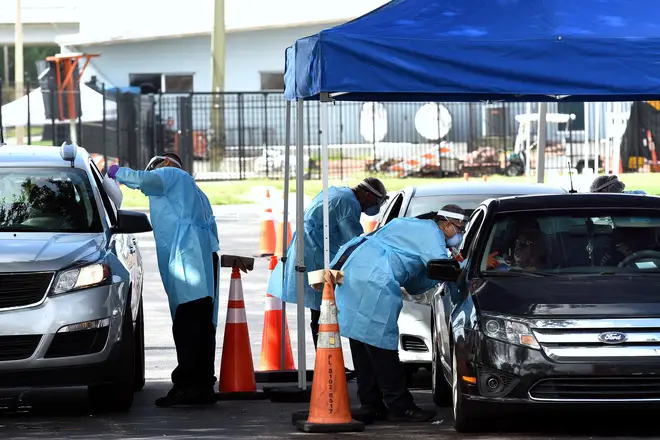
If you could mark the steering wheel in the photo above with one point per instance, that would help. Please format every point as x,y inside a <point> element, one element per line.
<point>640,255</point>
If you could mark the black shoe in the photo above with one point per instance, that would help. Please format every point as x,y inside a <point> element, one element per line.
<point>378,412</point>
<point>177,397</point>
<point>411,415</point>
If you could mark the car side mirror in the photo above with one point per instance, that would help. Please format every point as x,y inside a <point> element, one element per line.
<point>444,270</point>
<point>131,222</point>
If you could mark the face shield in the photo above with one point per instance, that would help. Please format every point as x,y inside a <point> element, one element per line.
<point>158,160</point>
<point>454,218</point>
<point>381,198</point>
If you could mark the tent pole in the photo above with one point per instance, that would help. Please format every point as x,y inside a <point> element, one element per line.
<point>597,108</point>
<point>325,98</point>
<point>587,147</point>
<point>300,244</point>
<point>285,219</point>
<point>528,143</point>
<point>543,132</point>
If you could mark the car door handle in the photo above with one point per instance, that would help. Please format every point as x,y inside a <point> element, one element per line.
<point>131,249</point>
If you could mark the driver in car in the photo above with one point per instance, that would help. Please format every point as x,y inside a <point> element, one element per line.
<point>531,252</point>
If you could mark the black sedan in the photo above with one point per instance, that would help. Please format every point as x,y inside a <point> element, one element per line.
<point>556,305</point>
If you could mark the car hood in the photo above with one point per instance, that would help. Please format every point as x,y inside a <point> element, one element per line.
<point>561,296</point>
<point>20,251</point>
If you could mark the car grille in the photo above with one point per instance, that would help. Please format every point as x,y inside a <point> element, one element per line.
<point>16,348</point>
<point>597,388</point>
<point>598,339</point>
<point>412,343</point>
<point>20,290</point>
<point>78,343</point>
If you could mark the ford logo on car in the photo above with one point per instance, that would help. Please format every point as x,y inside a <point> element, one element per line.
<point>613,337</point>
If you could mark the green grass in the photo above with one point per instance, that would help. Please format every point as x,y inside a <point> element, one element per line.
<point>240,192</point>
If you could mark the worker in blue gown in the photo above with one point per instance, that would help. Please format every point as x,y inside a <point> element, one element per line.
<point>187,248</point>
<point>345,206</point>
<point>611,184</point>
<point>376,267</point>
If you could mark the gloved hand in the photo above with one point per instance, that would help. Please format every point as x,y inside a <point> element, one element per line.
<point>330,278</point>
<point>492,261</point>
<point>112,171</point>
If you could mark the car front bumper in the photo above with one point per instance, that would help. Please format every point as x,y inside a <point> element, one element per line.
<point>415,333</point>
<point>528,378</point>
<point>37,353</point>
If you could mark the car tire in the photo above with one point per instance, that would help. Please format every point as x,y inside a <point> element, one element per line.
<point>440,389</point>
<point>140,365</point>
<point>118,396</point>
<point>465,417</point>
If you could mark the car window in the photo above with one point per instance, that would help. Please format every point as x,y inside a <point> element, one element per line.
<point>391,211</point>
<point>469,202</point>
<point>47,200</point>
<point>575,241</point>
<point>109,206</point>
<point>473,227</point>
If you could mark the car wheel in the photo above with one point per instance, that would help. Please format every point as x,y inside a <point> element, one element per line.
<point>465,417</point>
<point>118,397</point>
<point>139,349</point>
<point>442,392</point>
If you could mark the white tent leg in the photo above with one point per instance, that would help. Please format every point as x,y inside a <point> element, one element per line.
<point>285,219</point>
<point>528,144</point>
<point>324,164</point>
<point>300,245</point>
<point>543,133</point>
<point>587,145</point>
<point>596,137</point>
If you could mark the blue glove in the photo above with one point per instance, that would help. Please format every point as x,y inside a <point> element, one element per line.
<point>112,171</point>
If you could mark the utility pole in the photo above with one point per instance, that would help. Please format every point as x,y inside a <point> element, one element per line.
<point>218,50</point>
<point>19,87</point>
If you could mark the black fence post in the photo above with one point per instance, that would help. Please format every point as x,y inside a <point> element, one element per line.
<point>29,121</point>
<point>104,128</point>
<point>120,156</point>
<point>241,138</point>
<point>265,133</point>
<point>53,126</point>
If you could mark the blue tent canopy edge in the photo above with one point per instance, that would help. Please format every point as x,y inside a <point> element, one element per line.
<point>476,50</point>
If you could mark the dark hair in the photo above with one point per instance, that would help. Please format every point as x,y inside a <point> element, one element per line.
<point>428,216</point>
<point>607,184</point>
<point>174,156</point>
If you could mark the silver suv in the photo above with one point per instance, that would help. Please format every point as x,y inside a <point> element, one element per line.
<point>70,278</point>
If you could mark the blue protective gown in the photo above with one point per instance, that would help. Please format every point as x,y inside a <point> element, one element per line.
<point>369,301</point>
<point>185,232</point>
<point>344,221</point>
<point>635,191</point>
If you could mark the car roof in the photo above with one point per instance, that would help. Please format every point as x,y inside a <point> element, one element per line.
<point>31,156</point>
<point>483,188</point>
<point>579,200</point>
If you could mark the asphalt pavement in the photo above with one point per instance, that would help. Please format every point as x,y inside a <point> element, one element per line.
<point>65,414</point>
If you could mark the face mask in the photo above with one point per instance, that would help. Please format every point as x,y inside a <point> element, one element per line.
<point>372,210</point>
<point>456,240</point>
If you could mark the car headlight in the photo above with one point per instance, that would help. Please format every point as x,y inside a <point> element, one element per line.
<point>417,299</point>
<point>81,277</point>
<point>507,330</point>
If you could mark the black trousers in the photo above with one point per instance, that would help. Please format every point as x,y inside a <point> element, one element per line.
<point>314,325</point>
<point>194,338</point>
<point>381,377</point>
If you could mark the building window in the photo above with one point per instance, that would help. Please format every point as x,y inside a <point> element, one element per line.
<point>147,82</point>
<point>272,81</point>
<point>178,83</point>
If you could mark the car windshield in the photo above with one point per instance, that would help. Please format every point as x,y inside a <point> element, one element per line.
<point>47,200</point>
<point>469,202</point>
<point>578,241</point>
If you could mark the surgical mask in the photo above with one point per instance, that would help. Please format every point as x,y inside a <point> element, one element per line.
<point>456,240</point>
<point>372,210</point>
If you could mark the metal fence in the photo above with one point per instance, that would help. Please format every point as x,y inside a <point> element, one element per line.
<point>226,136</point>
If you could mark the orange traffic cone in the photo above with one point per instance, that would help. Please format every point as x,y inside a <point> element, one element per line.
<point>369,225</point>
<point>237,381</point>
<point>466,176</point>
<point>329,410</point>
<point>271,342</point>
<point>485,178</point>
<point>267,239</point>
<point>279,242</point>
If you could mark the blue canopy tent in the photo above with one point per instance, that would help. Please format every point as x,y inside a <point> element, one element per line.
<point>471,50</point>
